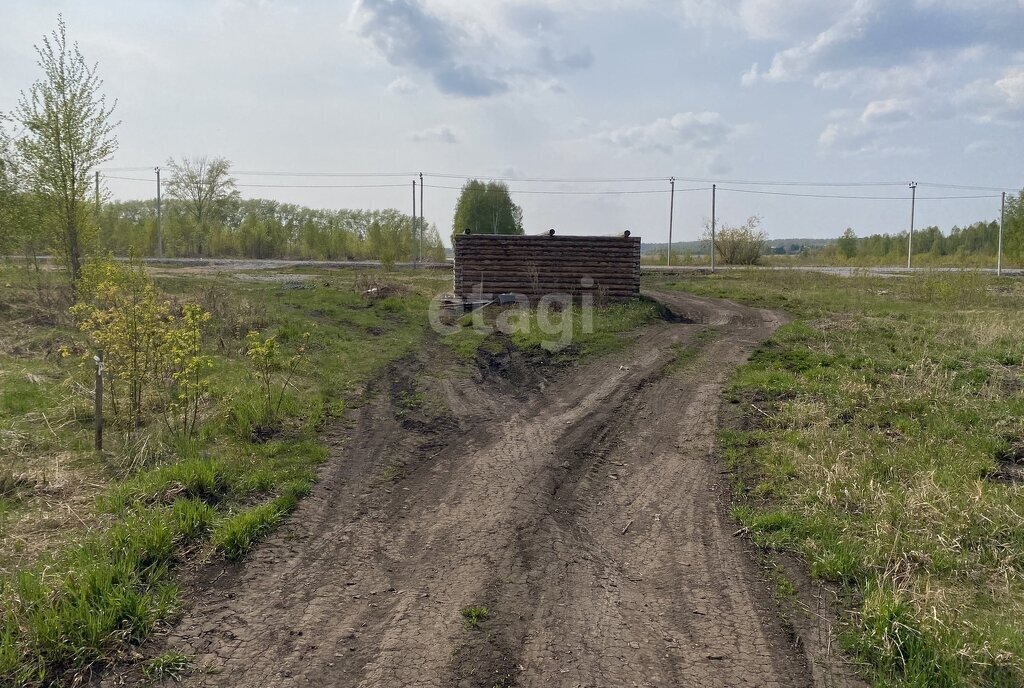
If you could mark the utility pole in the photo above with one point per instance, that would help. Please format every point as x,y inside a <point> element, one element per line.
<point>419,245</point>
<point>999,251</point>
<point>414,214</point>
<point>910,239</point>
<point>714,190</point>
<point>671,213</point>
<point>159,226</point>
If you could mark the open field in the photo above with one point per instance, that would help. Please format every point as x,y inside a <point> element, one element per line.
<point>883,444</point>
<point>489,509</point>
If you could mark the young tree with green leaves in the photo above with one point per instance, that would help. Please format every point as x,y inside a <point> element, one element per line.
<point>1013,229</point>
<point>487,208</point>
<point>205,188</point>
<point>847,244</point>
<point>69,132</point>
<point>10,227</point>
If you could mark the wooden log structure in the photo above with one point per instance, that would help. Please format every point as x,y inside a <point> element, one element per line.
<point>535,266</point>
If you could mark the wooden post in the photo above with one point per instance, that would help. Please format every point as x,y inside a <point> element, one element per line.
<point>98,396</point>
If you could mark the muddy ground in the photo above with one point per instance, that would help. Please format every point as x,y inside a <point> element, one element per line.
<point>584,507</point>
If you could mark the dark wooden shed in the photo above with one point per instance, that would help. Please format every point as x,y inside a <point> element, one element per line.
<point>535,266</point>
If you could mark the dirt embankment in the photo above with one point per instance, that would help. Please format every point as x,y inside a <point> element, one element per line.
<point>587,513</point>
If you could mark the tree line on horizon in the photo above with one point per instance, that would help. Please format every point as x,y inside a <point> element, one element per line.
<point>974,244</point>
<point>262,228</point>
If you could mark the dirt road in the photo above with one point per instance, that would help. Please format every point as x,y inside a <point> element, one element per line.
<point>587,514</point>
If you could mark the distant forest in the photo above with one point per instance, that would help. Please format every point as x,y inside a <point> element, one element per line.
<point>260,228</point>
<point>972,246</point>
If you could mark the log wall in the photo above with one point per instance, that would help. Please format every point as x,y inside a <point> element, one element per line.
<point>537,265</point>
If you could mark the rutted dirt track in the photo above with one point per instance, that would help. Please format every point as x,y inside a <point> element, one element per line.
<point>587,514</point>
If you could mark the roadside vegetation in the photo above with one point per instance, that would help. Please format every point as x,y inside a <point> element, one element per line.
<point>559,332</point>
<point>204,453</point>
<point>884,445</point>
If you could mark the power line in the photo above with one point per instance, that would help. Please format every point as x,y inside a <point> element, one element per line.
<point>846,196</point>
<point>761,182</point>
<point>323,174</point>
<point>274,186</point>
<point>590,180</point>
<point>547,180</point>
<point>967,187</point>
<point>564,192</point>
<point>319,186</point>
<point>127,179</point>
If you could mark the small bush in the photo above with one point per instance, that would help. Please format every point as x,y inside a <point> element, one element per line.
<point>473,615</point>
<point>170,665</point>
<point>743,245</point>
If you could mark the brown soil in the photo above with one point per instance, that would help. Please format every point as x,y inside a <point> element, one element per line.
<point>588,513</point>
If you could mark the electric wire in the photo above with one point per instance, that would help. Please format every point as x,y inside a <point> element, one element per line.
<point>567,192</point>
<point>847,196</point>
<point>273,186</point>
<point>587,180</point>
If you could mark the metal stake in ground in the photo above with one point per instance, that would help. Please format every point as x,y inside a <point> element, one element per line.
<point>999,250</point>
<point>671,214</point>
<point>910,239</point>
<point>98,398</point>
<point>413,220</point>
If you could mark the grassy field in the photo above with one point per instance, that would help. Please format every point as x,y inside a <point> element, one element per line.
<point>883,444</point>
<point>568,334</point>
<point>88,541</point>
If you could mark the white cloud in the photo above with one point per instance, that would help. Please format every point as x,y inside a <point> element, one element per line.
<point>788,19</point>
<point>439,134</point>
<point>800,59</point>
<point>1012,85</point>
<point>705,133</point>
<point>402,86</point>
<point>890,111</point>
<point>999,101</point>
<point>980,147</point>
<point>875,131</point>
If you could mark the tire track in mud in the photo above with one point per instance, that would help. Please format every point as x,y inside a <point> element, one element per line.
<point>587,516</point>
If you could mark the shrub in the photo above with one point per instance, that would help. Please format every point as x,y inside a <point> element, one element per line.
<point>150,355</point>
<point>742,245</point>
<point>272,371</point>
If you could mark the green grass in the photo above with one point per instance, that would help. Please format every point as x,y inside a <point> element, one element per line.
<point>473,615</point>
<point>875,421</point>
<point>142,510</point>
<point>567,334</point>
<point>168,666</point>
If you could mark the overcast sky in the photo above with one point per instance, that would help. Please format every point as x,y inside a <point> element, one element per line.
<point>776,90</point>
